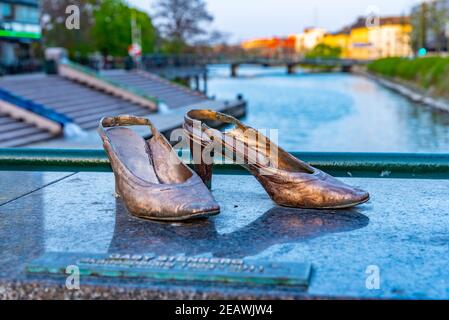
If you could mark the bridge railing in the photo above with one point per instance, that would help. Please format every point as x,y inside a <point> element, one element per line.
<point>154,62</point>
<point>172,61</point>
<point>22,66</point>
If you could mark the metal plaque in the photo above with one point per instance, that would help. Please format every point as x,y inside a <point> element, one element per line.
<point>180,268</point>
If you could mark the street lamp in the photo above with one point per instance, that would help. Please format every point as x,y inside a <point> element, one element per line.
<point>446,33</point>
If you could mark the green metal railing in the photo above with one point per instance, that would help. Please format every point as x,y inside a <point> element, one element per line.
<point>377,165</point>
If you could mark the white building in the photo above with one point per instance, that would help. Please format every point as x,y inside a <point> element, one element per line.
<point>309,39</point>
<point>19,29</point>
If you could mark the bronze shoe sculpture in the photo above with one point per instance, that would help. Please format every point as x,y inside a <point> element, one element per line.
<point>150,178</point>
<point>288,181</point>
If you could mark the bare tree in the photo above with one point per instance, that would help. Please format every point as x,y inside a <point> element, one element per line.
<point>182,20</point>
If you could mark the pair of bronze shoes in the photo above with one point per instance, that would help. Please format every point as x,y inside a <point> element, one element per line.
<point>155,184</point>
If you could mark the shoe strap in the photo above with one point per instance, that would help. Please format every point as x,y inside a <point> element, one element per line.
<point>125,120</point>
<point>199,115</point>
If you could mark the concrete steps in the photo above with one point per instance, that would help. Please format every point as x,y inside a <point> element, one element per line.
<point>85,105</point>
<point>15,133</point>
<point>173,95</point>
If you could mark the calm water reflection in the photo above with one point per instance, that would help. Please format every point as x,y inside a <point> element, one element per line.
<point>332,112</point>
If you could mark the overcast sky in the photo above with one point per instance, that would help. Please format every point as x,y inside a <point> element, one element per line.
<point>246,19</point>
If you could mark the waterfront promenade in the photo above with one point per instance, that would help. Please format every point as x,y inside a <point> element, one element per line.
<point>65,209</point>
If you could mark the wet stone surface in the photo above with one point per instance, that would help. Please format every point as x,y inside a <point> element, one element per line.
<point>15,184</point>
<point>402,232</point>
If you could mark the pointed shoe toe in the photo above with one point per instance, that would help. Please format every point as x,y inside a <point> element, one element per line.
<point>341,195</point>
<point>341,198</point>
<point>199,210</point>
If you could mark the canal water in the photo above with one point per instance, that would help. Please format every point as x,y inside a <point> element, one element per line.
<point>332,112</point>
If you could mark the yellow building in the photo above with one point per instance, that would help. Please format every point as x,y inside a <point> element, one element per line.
<point>392,38</point>
<point>389,38</point>
<point>360,45</point>
<point>339,39</point>
<point>386,37</point>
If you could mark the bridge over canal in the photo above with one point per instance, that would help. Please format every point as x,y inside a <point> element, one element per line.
<point>344,65</point>
<point>198,62</point>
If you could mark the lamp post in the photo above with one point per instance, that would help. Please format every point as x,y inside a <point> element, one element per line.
<point>446,33</point>
<point>135,50</point>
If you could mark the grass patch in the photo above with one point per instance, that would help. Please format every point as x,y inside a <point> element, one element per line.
<point>430,74</point>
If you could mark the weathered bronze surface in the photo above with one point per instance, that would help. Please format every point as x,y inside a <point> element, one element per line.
<point>288,180</point>
<point>149,177</point>
<point>180,268</point>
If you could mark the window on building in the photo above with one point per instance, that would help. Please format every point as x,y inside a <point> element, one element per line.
<point>26,14</point>
<point>5,11</point>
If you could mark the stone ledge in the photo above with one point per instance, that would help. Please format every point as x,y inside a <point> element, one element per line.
<point>402,230</point>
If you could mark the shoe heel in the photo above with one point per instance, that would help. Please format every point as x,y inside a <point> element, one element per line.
<point>117,191</point>
<point>203,170</point>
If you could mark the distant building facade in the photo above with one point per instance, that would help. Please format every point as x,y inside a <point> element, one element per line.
<point>309,39</point>
<point>270,47</point>
<point>430,20</point>
<point>390,37</point>
<point>341,39</point>
<point>19,33</point>
<point>298,43</point>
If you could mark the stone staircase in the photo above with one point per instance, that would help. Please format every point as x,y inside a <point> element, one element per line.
<point>84,97</point>
<point>16,133</point>
<point>173,95</point>
<point>84,105</point>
